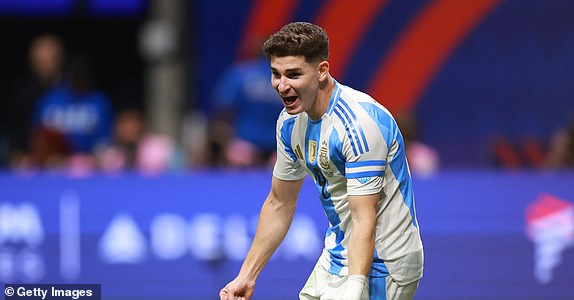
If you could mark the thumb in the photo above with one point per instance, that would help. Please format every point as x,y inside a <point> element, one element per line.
<point>223,294</point>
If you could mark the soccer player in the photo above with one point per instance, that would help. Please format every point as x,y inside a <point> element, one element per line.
<point>352,147</point>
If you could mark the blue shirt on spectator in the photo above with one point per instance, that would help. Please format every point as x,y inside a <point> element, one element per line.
<point>84,119</point>
<point>245,89</point>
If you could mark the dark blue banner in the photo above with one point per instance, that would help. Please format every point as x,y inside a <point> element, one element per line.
<point>487,235</point>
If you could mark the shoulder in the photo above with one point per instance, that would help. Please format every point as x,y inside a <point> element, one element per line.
<point>362,100</point>
<point>367,121</point>
<point>354,94</point>
<point>364,103</point>
<point>285,118</point>
<point>290,126</point>
<point>358,107</point>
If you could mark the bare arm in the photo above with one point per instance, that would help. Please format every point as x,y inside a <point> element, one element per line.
<point>362,239</point>
<point>274,222</point>
<point>361,244</point>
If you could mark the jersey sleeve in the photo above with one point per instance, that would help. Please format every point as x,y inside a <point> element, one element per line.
<point>287,165</point>
<point>366,150</point>
<point>365,186</point>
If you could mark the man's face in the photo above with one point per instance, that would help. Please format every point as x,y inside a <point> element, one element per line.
<point>297,82</point>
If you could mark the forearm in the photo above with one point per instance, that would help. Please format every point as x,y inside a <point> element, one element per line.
<point>361,246</point>
<point>274,221</point>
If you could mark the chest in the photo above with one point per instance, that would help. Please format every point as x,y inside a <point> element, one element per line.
<point>319,148</point>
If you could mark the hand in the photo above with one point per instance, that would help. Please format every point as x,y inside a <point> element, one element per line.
<point>355,286</point>
<point>238,289</point>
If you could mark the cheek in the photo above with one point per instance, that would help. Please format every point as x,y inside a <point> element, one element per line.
<point>307,90</point>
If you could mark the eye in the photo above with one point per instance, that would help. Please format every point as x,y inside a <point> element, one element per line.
<point>294,75</point>
<point>275,74</point>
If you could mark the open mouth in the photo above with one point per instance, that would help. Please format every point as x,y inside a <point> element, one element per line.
<point>289,100</point>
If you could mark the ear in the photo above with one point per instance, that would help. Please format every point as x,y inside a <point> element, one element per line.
<point>323,69</point>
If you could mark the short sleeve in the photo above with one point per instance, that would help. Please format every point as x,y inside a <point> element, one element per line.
<point>365,185</point>
<point>366,151</point>
<point>287,165</point>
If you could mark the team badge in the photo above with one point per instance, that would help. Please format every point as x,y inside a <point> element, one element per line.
<point>323,159</point>
<point>312,151</point>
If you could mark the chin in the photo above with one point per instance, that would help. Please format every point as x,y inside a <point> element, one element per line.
<point>293,111</point>
<point>295,107</point>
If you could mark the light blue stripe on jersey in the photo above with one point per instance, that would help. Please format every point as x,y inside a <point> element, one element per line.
<point>286,133</point>
<point>398,165</point>
<point>336,152</point>
<point>359,128</point>
<point>347,128</point>
<point>400,169</point>
<point>352,127</point>
<point>366,168</point>
<point>378,288</point>
<point>378,279</point>
<point>313,132</point>
<point>378,268</point>
<point>367,163</point>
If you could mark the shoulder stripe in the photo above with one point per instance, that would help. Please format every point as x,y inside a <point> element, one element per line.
<point>347,128</point>
<point>360,128</point>
<point>354,129</point>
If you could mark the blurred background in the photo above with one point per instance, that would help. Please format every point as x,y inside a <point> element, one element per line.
<point>137,140</point>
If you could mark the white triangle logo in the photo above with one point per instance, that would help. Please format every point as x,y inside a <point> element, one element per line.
<point>122,242</point>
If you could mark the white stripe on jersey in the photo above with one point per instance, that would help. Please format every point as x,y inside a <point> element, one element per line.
<point>355,149</point>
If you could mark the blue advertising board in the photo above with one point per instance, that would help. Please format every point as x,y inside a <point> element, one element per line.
<point>487,235</point>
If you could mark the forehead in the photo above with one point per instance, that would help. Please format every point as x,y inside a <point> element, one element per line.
<point>283,63</point>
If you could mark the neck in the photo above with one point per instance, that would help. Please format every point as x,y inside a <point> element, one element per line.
<point>326,89</point>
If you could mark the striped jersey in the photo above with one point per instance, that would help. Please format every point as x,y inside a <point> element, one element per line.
<point>356,148</point>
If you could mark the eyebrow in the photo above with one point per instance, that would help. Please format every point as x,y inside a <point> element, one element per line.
<point>289,70</point>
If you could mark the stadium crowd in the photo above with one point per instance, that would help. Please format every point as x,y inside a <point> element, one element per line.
<point>64,121</point>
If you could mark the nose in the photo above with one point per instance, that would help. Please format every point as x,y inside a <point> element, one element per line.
<point>283,85</point>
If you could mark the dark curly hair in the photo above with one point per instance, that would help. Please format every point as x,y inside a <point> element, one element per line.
<point>299,38</point>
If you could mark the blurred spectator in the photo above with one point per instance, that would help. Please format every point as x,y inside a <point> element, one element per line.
<point>49,149</point>
<point>194,135</point>
<point>242,131</point>
<point>134,148</point>
<point>75,113</point>
<point>121,152</point>
<point>561,148</point>
<point>423,159</point>
<point>158,153</point>
<point>46,55</point>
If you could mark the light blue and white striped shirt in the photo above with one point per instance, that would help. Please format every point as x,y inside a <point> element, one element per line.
<point>356,148</point>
